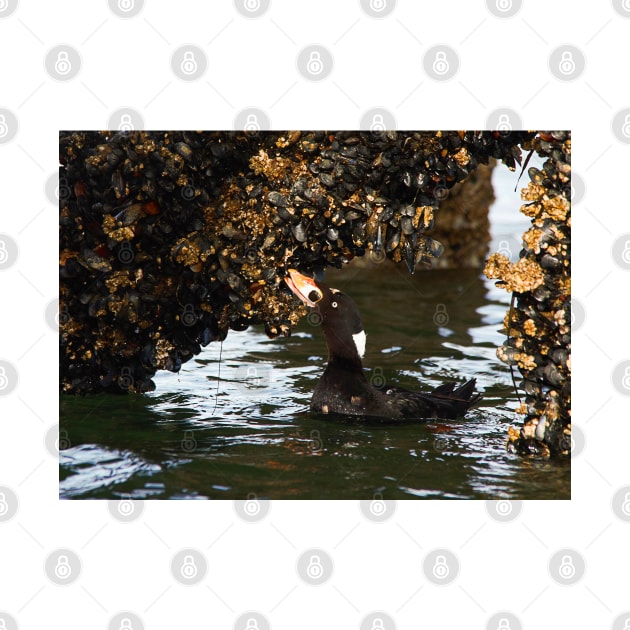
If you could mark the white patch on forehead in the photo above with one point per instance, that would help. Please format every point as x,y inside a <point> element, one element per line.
<point>359,342</point>
<point>335,291</point>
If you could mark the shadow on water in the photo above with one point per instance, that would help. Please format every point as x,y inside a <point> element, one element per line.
<point>240,426</point>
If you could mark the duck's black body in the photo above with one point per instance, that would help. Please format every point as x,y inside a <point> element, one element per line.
<point>343,388</point>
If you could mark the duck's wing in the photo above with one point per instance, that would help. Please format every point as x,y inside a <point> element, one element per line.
<point>445,401</point>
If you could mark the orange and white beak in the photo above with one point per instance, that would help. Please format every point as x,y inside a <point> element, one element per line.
<point>304,287</point>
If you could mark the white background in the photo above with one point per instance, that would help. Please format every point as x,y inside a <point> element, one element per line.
<point>251,62</point>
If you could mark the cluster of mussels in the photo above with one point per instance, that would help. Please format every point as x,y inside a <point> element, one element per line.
<point>538,327</point>
<point>170,239</point>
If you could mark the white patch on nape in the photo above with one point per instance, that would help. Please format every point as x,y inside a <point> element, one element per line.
<point>359,342</point>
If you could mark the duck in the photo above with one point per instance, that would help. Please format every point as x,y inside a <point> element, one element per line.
<point>343,388</point>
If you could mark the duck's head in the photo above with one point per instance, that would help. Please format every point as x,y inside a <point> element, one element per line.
<point>338,312</point>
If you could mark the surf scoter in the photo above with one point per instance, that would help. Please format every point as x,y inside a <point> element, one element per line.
<point>343,388</point>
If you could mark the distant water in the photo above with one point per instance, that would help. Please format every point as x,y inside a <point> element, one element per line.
<point>225,430</point>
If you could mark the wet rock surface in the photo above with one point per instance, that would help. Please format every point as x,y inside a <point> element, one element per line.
<point>538,327</point>
<point>170,239</point>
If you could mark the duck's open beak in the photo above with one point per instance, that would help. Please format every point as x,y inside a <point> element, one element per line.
<point>302,286</point>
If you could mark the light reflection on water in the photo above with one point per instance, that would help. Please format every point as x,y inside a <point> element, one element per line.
<point>242,426</point>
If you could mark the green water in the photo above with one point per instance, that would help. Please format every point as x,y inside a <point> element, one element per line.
<point>227,430</point>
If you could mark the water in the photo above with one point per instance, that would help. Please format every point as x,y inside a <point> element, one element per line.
<point>227,429</point>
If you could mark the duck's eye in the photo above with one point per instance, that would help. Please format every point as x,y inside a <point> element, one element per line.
<point>314,296</point>
<point>334,304</point>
